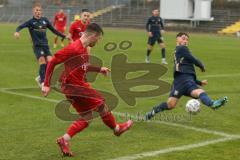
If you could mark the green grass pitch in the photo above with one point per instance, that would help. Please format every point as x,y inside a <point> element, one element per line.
<point>29,126</point>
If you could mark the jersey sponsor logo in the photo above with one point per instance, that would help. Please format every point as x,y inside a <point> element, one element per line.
<point>181,60</point>
<point>40,29</point>
<point>176,93</point>
<point>84,66</point>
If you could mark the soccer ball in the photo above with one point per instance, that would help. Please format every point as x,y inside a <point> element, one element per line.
<point>193,106</point>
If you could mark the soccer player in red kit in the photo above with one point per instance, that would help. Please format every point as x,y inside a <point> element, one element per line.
<point>79,26</point>
<point>59,22</point>
<point>82,96</point>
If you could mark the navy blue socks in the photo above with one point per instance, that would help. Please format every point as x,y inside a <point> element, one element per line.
<point>163,53</point>
<point>163,106</point>
<point>42,71</point>
<point>148,52</point>
<point>205,99</point>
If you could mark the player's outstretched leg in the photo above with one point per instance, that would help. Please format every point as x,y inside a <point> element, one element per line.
<point>160,108</point>
<point>211,103</point>
<point>63,142</point>
<point>109,120</point>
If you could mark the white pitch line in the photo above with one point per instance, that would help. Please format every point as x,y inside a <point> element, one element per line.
<point>203,130</point>
<point>174,149</point>
<point>3,90</point>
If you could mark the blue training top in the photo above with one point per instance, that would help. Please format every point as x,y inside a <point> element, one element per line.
<point>154,24</point>
<point>37,29</point>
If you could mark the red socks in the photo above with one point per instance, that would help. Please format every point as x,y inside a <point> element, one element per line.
<point>76,127</point>
<point>81,124</point>
<point>109,120</point>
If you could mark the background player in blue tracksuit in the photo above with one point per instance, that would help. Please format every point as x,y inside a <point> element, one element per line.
<point>37,27</point>
<point>154,28</point>
<point>185,81</point>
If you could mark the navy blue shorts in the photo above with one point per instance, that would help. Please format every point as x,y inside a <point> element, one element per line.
<point>40,51</point>
<point>183,86</point>
<point>155,38</point>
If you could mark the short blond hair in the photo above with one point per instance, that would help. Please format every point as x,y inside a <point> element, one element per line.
<point>37,4</point>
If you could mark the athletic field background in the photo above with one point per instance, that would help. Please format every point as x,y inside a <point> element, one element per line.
<point>29,126</point>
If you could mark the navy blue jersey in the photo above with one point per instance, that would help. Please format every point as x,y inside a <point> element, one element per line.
<point>154,24</point>
<point>37,29</point>
<point>184,62</point>
<point>184,84</point>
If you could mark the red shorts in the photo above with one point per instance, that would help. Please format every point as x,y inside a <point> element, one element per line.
<point>83,97</point>
<point>60,29</point>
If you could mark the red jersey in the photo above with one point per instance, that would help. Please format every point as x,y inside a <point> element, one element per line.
<point>76,63</point>
<point>75,58</point>
<point>77,28</point>
<point>60,20</point>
